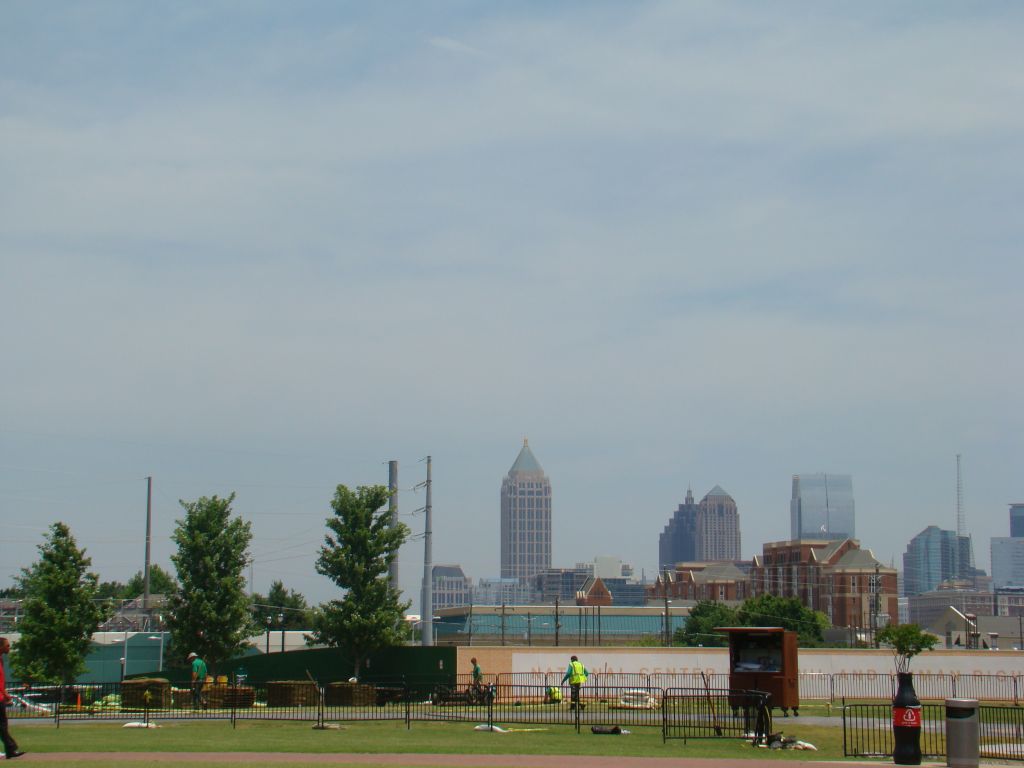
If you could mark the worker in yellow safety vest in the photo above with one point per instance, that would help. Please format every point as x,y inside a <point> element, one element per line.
<point>576,674</point>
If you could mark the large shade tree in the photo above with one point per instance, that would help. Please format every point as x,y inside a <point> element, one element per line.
<point>702,622</point>
<point>760,611</point>
<point>61,611</point>
<point>357,552</point>
<point>210,611</point>
<point>787,612</point>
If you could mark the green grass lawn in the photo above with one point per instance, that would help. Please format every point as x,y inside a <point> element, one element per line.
<point>428,738</point>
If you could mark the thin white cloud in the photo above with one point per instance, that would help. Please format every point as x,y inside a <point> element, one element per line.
<point>454,46</point>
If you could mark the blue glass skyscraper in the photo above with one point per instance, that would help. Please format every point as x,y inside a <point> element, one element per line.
<point>822,507</point>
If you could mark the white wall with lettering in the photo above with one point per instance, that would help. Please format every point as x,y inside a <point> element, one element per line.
<point>651,661</point>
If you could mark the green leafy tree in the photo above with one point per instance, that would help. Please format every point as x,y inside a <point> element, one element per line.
<point>356,555</point>
<point>906,641</point>
<point>286,603</point>
<point>209,611</point>
<point>701,624</point>
<point>160,583</point>
<point>60,611</point>
<point>110,590</point>
<point>786,612</point>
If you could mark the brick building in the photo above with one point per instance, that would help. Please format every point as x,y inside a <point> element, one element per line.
<point>838,578</point>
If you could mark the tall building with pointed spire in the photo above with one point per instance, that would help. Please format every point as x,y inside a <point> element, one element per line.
<point>678,542</point>
<point>525,518</point>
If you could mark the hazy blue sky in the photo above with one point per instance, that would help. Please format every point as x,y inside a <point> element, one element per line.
<point>266,247</point>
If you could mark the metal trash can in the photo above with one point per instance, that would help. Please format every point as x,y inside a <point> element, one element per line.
<point>962,733</point>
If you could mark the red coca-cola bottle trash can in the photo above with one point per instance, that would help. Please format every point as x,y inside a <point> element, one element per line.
<point>906,722</point>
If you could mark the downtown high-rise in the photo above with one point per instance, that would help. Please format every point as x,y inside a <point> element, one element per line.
<point>525,518</point>
<point>718,527</point>
<point>934,556</point>
<point>701,532</point>
<point>822,507</point>
<point>678,542</point>
<point>1008,552</point>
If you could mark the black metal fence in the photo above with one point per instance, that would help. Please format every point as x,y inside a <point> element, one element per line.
<point>867,731</point>
<point>1002,732</point>
<point>695,713</point>
<point>680,713</point>
<point>254,699</point>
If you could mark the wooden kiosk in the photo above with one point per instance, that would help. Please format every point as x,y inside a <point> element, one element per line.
<point>765,659</point>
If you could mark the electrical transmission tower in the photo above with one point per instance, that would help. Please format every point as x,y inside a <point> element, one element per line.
<point>961,516</point>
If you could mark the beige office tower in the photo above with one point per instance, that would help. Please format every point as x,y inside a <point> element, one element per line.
<point>718,527</point>
<point>525,518</point>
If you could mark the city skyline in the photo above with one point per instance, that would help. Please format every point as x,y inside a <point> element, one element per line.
<point>265,249</point>
<point>527,463</point>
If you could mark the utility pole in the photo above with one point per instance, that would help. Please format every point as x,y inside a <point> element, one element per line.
<point>149,531</point>
<point>874,609</point>
<point>428,570</point>
<point>961,516</point>
<point>393,509</point>
<point>668,640</point>
<point>558,624</point>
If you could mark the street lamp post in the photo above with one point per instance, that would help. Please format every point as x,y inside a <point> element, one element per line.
<point>160,664</point>
<point>426,626</point>
<point>269,620</point>
<point>124,657</point>
<point>280,623</point>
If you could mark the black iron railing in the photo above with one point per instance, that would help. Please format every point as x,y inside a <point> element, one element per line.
<point>867,731</point>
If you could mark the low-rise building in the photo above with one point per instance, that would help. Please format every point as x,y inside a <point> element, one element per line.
<point>721,582</point>
<point>927,607</point>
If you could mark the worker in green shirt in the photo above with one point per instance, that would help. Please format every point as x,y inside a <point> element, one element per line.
<point>198,680</point>
<point>478,675</point>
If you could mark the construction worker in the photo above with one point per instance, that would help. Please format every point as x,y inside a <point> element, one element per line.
<point>478,677</point>
<point>576,674</point>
